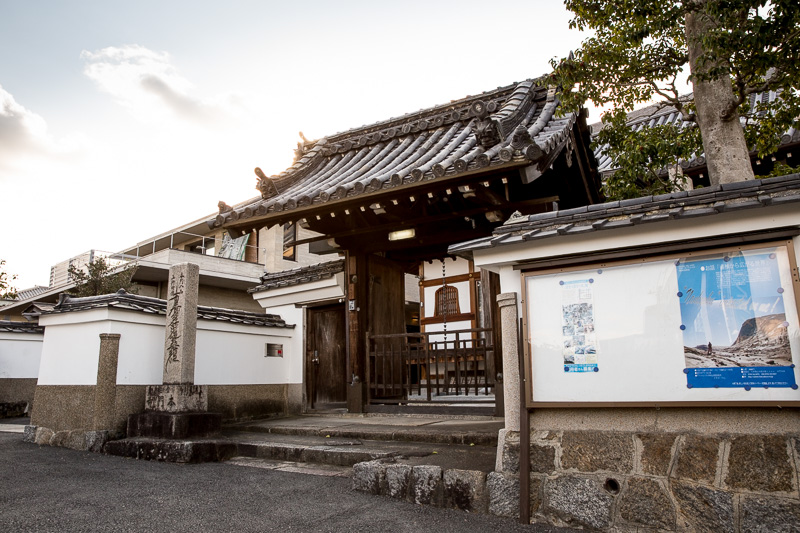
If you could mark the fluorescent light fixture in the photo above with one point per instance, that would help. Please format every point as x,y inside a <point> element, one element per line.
<point>402,234</point>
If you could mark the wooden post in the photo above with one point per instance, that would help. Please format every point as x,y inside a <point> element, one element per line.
<point>357,308</point>
<point>490,282</point>
<point>524,438</point>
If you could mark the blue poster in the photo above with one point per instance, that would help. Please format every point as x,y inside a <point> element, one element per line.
<point>735,332</point>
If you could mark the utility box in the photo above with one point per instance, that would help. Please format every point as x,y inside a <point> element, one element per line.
<point>273,350</point>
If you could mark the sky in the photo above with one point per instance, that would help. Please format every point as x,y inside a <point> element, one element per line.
<point>122,120</point>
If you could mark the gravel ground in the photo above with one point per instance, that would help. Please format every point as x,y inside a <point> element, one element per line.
<point>55,489</point>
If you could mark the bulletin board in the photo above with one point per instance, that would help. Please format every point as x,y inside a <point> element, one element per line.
<point>716,327</point>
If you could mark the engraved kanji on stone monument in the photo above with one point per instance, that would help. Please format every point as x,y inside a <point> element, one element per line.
<point>179,338</point>
<point>176,291</point>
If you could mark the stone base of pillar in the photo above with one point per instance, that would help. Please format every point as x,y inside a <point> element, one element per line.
<point>173,451</point>
<point>357,397</point>
<point>174,425</point>
<point>176,398</point>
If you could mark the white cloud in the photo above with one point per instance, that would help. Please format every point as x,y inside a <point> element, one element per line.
<point>146,82</point>
<point>24,134</point>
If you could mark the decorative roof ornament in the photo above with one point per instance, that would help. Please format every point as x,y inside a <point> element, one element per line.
<point>303,146</point>
<point>520,138</point>
<point>551,92</point>
<point>515,218</point>
<point>265,185</point>
<point>488,131</point>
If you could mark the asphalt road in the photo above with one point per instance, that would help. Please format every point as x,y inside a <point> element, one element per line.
<point>55,489</point>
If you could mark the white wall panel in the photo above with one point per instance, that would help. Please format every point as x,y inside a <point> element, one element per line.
<point>20,354</point>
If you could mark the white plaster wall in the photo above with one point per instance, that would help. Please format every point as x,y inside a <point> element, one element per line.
<point>20,354</point>
<point>141,350</point>
<point>315,291</point>
<point>454,266</point>
<point>71,347</point>
<point>226,354</point>
<point>293,347</point>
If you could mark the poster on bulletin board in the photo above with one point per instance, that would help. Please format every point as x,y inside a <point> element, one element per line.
<point>716,327</point>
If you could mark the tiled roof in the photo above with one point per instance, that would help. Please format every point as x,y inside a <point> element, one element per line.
<point>34,310</point>
<point>703,202</point>
<point>145,304</point>
<point>655,115</point>
<point>297,276</point>
<point>20,327</point>
<point>31,292</point>
<point>513,125</point>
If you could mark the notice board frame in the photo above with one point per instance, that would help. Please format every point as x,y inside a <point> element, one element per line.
<point>703,400</point>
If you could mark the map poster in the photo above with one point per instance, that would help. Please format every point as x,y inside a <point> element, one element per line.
<point>735,332</point>
<point>577,326</point>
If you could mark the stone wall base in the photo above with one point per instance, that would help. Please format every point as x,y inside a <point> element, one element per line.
<point>17,391</point>
<point>174,425</point>
<point>71,407</point>
<point>631,481</point>
<point>75,439</point>
<point>602,481</point>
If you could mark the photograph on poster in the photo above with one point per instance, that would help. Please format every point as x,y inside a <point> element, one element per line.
<point>577,326</point>
<point>734,323</point>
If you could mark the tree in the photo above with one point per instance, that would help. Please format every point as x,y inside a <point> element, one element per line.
<point>732,49</point>
<point>7,291</point>
<point>100,278</point>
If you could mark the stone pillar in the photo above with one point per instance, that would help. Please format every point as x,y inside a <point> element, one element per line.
<point>105,393</point>
<point>179,394</point>
<point>181,332</point>
<point>511,378</point>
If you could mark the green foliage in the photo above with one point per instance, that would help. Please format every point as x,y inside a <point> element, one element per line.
<point>647,159</point>
<point>779,168</point>
<point>7,291</point>
<point>639,49</point>
<point>100,278</point>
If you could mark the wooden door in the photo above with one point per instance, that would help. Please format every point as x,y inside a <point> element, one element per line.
<point>326,358</point>
<point>387,317</point>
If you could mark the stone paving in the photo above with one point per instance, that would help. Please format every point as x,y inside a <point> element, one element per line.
<point>45,488</point>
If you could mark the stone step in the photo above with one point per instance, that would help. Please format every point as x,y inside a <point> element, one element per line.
<point>310,449</point>
<point>336,455</point>
<point>311,469</point>
<point>201,450</point>
<point>480,432</point>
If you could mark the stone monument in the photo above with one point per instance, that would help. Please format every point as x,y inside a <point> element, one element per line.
<point>178,408</point>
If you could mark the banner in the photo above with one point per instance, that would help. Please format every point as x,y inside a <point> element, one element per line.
<point>735,332</point>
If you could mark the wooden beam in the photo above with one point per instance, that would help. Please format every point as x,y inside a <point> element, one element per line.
<point>433,282</point>
<point>393,226</point>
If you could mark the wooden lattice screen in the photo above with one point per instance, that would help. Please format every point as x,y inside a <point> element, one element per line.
<point>447,301</point>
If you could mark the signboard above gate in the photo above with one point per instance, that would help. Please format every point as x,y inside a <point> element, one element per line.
<point>711,327</point>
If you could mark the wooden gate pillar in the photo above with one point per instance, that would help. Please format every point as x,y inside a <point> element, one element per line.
<point>357,324</point>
